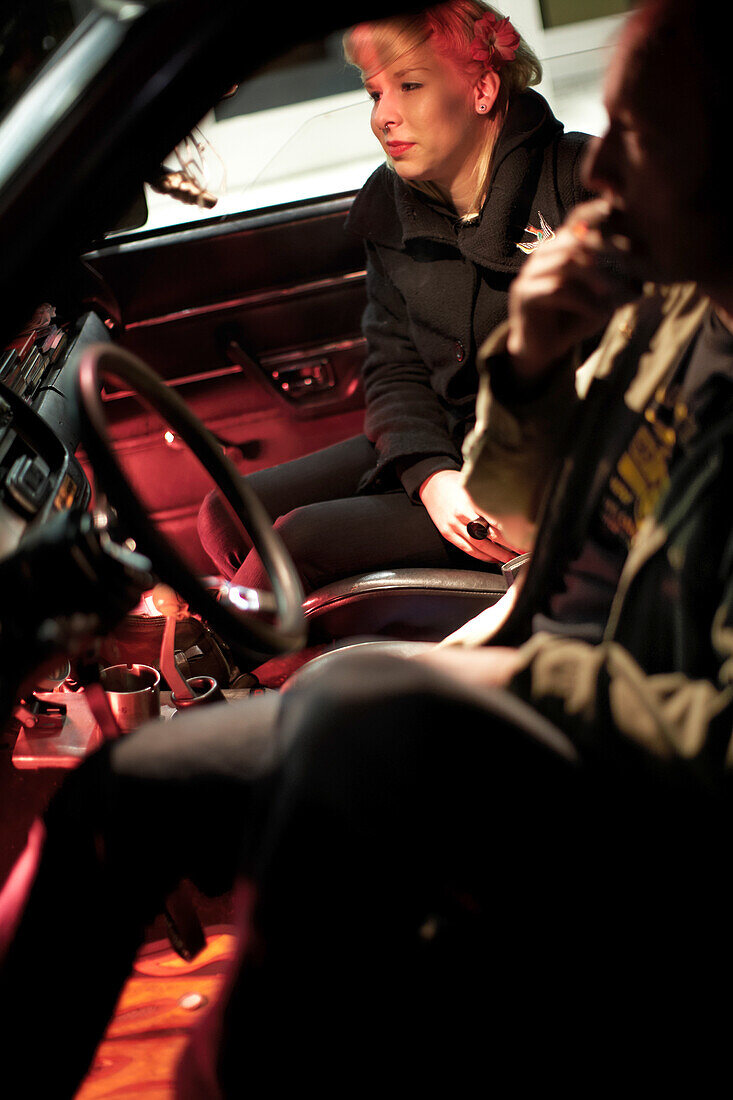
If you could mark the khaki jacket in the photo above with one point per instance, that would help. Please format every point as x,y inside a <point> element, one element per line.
<point>662,679</point>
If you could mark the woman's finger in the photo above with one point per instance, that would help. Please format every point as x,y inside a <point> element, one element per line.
<point>483,549</point>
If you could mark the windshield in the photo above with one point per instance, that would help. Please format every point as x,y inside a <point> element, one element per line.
<point>31,33</point>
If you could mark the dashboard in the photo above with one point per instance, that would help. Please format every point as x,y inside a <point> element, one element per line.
<point>39,425</point>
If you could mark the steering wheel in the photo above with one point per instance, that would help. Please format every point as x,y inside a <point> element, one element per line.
<point>243,631</point>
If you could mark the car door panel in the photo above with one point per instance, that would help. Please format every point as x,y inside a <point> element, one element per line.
<point>153,274</point>
<point>257,324</point>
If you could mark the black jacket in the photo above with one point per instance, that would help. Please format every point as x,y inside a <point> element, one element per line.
<point>437,288</point>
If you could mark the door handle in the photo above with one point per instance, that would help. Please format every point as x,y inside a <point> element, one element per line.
<point>301,379</point>
<point>294,382</point>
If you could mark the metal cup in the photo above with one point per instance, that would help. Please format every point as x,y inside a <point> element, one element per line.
<point>133,692</point>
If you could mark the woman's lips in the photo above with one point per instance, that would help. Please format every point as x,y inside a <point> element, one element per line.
<point>399,148</point>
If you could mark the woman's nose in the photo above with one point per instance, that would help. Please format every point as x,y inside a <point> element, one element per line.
<point>385,114</point>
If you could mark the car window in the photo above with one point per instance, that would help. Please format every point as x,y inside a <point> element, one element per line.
<point>298,129</point>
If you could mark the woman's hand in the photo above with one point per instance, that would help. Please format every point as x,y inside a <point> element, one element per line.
<point>451,508</point>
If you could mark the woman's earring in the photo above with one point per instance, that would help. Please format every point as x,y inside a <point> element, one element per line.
<point>482,106</point>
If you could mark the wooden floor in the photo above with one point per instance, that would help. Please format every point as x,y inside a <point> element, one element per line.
<point>162,1000</point>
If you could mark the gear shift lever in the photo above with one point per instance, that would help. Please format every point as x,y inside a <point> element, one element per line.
<point>184,693</point>
<point>170,604</point>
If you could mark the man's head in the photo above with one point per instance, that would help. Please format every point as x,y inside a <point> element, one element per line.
<point>661,161</point>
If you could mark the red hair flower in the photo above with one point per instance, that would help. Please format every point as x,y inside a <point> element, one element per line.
<point>496,41</point>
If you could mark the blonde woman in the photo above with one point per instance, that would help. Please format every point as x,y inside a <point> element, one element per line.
<point>478,172</point>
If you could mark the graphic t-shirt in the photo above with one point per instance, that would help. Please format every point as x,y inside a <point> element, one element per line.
<point>640,476</point>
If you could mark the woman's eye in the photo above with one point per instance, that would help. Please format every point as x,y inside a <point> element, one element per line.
<point>410,87</point>
<point>374,96</point>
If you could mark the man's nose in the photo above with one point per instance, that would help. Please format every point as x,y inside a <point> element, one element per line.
<point>598,168</point>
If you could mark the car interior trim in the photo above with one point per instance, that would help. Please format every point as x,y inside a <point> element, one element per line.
<point>267,362</point>
<point>287,214</point>
<point>250,301</point>
<point>408,580</point>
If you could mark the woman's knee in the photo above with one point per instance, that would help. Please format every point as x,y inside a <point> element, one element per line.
<point>222,538</point>
<point>313,547</point>
<point>211,514</point>
<point>305,544</point>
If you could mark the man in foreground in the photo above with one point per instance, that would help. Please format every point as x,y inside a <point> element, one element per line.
<point>535,826</point>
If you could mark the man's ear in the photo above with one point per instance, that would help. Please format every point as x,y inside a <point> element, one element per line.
<point>486,91</point>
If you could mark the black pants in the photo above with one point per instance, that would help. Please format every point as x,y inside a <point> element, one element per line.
<point>440,882</point>
<point>330,531</point>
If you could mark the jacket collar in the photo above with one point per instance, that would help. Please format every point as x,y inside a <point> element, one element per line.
<point>491,240</point>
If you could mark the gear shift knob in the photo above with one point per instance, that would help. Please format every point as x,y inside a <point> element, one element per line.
<point>168,602</point>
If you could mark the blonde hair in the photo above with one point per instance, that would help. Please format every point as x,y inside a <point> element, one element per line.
<point>373,46</point>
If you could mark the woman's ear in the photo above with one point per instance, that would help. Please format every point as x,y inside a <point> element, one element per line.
<point>486,91</point>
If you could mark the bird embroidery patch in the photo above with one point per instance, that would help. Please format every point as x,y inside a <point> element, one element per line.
<point>544,233</point>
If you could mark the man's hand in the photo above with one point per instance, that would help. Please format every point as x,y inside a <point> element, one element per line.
<point>451,508</point>
<point>567,291</point>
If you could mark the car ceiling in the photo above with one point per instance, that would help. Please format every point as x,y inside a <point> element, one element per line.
<point>175,59</point>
